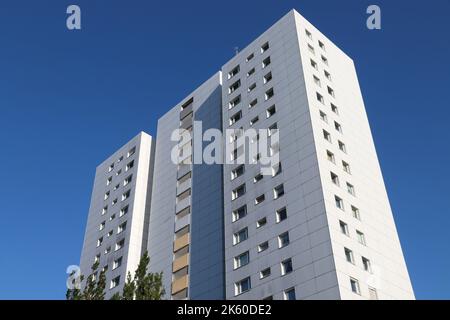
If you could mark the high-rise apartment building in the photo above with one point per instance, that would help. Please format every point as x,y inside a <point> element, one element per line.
<point>318,226</point>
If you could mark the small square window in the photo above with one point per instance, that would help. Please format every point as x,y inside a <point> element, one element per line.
<point>108,181</point>
<point>238,192</point>
<point>342,147</point>
<point>237,172</point>
<point>131,152</point>
<point>265,47</point>
<point>117,263</point>
<point>339,202</point>
<point>330,91</point>
<point>234,102</point>
<point>311,48</point>
<point>267,77</point>
<point>250,72</point>
<point>106,195</point>
<point>102,225</point>
<point>122,227</point>
<point>278,191</point>
<point>242,286</point>
<point>241,260</point>
<point>123,211</point>
<point>234,86</point>
<point>321,45</point>
<point>253,121</point>
<point>346,167</point>
<point>258,178</point>
<point>344,227</point>
<point>239,213</point>
<point>316,81</point>
<point>355,213</point>
<point>235,118</point>
<point>250,57</point>
<point>129,165</point>
<point>271,111</point>
<point>366,264</point>
<point>361,237</point>
<point>323,116</point>
<point>354,284</point>
<point>120,244</point>
<point>104,210</point>
<point>289,294</point>
<point>327,75</point>
<point>283,240</point>
<point>253,103</point>
<point>334,178</point>
<point>286,267</point>
<point>115,282</point>
<point>264,273</point>
<point>319,98</point>
<point>269,94</point>
<point>350,189</point>
<point>324,60</point>
<point>126,195</point>
<point>349,255</point>
<point>281,214</point>
<point>330,156</point>
<point>338,127</point>
<point>251,87</point>
<point>260,199</point>
<point>266,62</point>
<point>233,72</point>
<point>111,167</point>
<point>240,236</point>
<point>263,246</point>
<point>313,64</point>
<point>327,135</point>
<point>308,34</point>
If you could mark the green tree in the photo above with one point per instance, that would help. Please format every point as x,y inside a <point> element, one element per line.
<point>148,285</point>
<point>128,288</point>
<point>75,293</point>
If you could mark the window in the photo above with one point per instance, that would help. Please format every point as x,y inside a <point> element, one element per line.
<point>261,222</point>
<point>102,225</point>
<point>117,263</point>
<point>339,202</point>
<point>330,91</point>
<point>267,77</point>
<point>321,45</point>
<point>253,103</point>
<point>238,192</point>
<point>234,86</point>
<point>316,80</point>
<point>233,72</point>
<point>283,240</point>
<point>264,47</point>
<point>330,156</point>
<point>276,169</point>
<point>327,75</point>
<point>104,210</point>
<point>121,228</point>
<point>308,34</point>
<point>361,237</point>
<point>129,165</point>
<point>270,111</point>
<point>323,116</point>
<point>349,255</point>
<point>289,294</point>
<point>366,264</point>
<point>114,282</point>
<point>264,273</point>
<point>311,48</point>
<point>327,135</point>
<point>355,213</point>
<point>254,120</point>
<point>111,167</point>
<point>252,87</point>
<point>242,286</point>
<point>286,266</point>
<point>182,213</point>
<point>106,195</point>
<point>338,127</point>
<point>351,189</point>
<point>250,57</point>
<point>344,227</point>
<point>239,213</point>
<point>278,191</point>
<point>354,284</point>
<point>116,187</point>
<point>112,217</point>
<point>272,129</point>
<point>118,172</point>
<point>269,94</point>
<point>241,260</point>
<point>114,201</point>
<point>236,117</point>
<point>240,236</point>
<point>373,295</point>
<point>263,246</point>
<point>126,195</point>
<point>266,62</point>
<point>346,167</point>
<point>250,72</point>
<point>107,250</point>
<point>313,64</point>
<point>97,258</point>
<point>281,214</point>
<point>319,97</point>
<point>342,147</point>
<point>110,233</point>
<point>120,244</point>
<point>260,199</point>
<point>128,180</point>
<point>257,178</point>
<point>237,172</point>
<point>334,109</point>
<point>99,241</point>
<point>324,60</point>
<point>334,178</point>
<point>108,181</point>
<point>123,211</point>
<point>234,102</point>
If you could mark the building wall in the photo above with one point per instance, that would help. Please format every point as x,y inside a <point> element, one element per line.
<point>138,210</point>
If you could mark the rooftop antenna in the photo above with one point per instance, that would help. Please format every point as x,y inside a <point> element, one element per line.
<point>236,50</point>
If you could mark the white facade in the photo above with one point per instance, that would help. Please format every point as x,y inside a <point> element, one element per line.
<point>117,226</point>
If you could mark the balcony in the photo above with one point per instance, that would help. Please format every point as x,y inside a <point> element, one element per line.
<point>180,263</point>
<point>180,284</point>
<point>181,242</point>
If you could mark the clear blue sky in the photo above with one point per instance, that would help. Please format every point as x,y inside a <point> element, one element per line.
<point>69,99</point>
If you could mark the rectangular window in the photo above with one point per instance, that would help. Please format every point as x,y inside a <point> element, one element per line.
<point>327,135</point>
<point>116,187</point>
<point>126,195</point>
<point>122,227</point>
<point>260,199</point>
<point>349,255</point>
<point>239,213</point>
<point>366,264</point>
<point>323,116</point>
<point>263,246</point>
<point>240,236</point>
<point>334,178</point>
<point>344,227</point>
<point>128,180</point>
<point>346,167</point>
<point>99,241</point>
<point>264,273</point>
<point>265,47</point>
<point>252,87</point>
<point>250,72</point>
<point>115,282</point>
<point>234,102</point>
<point>114,201</point>
<point>339,202</point>
<point>289,294</point>
<point>123,211</point>
<point>327,75</point>
<point>361,237</point>
<point>107,250</point>
<point>270,111</point>
<point>276,169</point>
<point>233,72</point>
<point>269,94</point>
<point>242,286</point>
<point>316,80</point>
<point>131,152</point>
<point>321,45</point>
<point>236,117</point>
<point>283,240</point>
<point>308,34</point>
<point>238,192</point>
<point>253,121</point>
<point>278,191</point>
<point>351,189</point>
<point>257,178</point>
<point>373,295</point>
<point>330,91</point>
<point>281,214</point>
<point>311,48</point>
<point>266,62</point>
<point>104,210</point>
<point>267,77</point>
<point>102,225</point>
<point>120,244</point>
<point>338,127</point>
<point>319,98</point>
<point>272,129</point>
<point>286,266</point>
<point>249,57</point>
<point>117,263</point>
<point>261,222</point>
<point>330,156</point>
<point>253,103</point>
<point>324,60</point>
<point>108,181</point>
<point>237,172</point>
<point>334,109</point>
<point>313,64</point>
<point>106,195</point>
<point>355,213</point>
<point>241,260</point>
<point>234,86</point>
<point>354,284</point>
<point>342,147</point>
<point>129,165</point>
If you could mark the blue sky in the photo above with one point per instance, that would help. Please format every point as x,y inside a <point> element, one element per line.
<point>69,99</point>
